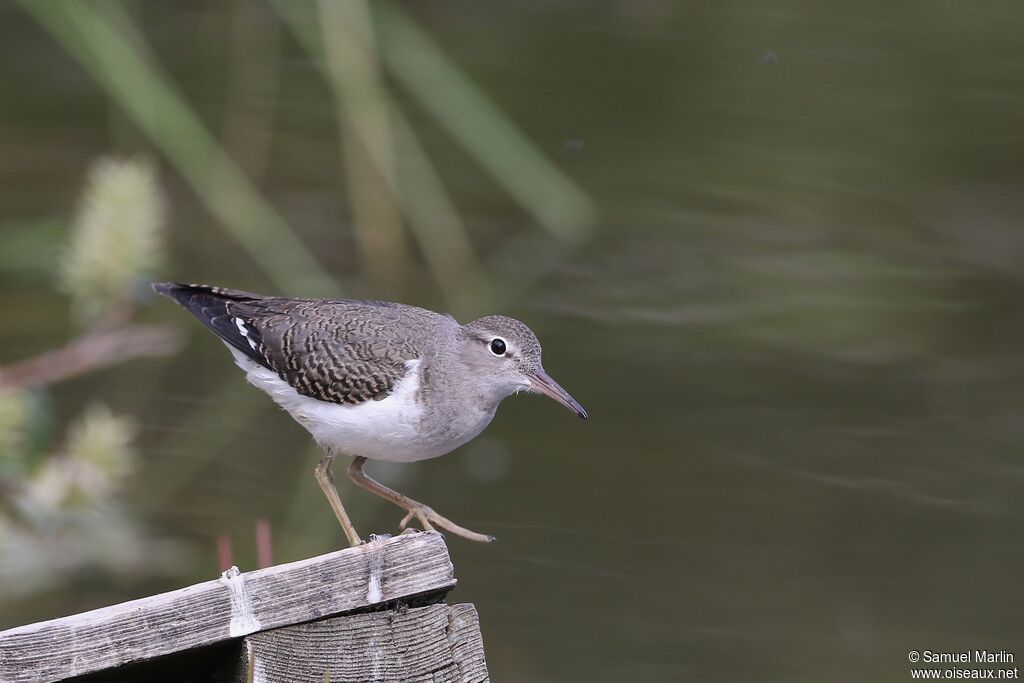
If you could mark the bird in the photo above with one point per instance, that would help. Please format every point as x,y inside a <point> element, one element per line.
<point>375,380</point>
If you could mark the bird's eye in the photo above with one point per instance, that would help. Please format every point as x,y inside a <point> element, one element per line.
<point>498,346</point>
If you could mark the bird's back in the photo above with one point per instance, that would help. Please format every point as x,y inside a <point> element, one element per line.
<point>336,351</point>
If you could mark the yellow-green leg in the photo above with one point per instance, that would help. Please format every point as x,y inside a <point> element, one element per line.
<point>423,513</point>
<point>326,481</point>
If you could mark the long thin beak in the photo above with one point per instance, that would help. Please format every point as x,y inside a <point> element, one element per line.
<point>542,383</point>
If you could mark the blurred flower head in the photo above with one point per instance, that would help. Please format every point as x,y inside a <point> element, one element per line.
<point>117,236</point>
<point>96,458</point>
<point>99,447</point>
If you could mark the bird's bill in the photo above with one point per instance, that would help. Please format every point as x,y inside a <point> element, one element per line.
<point>542,383</point>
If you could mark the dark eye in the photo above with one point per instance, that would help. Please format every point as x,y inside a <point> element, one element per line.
<point>498,346</point>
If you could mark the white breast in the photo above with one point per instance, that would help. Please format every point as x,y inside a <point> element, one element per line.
<point>381,430</point>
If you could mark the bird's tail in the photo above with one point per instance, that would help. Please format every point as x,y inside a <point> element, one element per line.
<point>223,311</point>
<point>180,290</point>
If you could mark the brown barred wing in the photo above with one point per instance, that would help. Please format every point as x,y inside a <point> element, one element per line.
<point>333,351</point>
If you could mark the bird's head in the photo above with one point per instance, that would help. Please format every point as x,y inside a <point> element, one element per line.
<point>504,356</point>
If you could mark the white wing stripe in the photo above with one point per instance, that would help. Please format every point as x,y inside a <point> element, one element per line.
<point>240,324</point>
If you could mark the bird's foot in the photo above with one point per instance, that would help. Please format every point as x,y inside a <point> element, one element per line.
<point>428,518</point>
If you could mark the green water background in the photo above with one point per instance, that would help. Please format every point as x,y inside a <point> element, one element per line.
<point>796,325</point>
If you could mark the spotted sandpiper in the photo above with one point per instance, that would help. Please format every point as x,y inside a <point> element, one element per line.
<point>375,380</point>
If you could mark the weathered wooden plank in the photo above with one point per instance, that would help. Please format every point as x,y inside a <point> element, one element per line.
<point>436,644</point>
<point>229,607</point>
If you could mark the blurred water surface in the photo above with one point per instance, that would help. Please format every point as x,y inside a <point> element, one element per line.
<point>796,326</point>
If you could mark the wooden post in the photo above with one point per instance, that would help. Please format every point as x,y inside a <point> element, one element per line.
<point>384,600</point>
<point>435,643</point>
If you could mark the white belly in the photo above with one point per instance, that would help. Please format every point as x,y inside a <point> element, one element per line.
<point>388,429</point>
